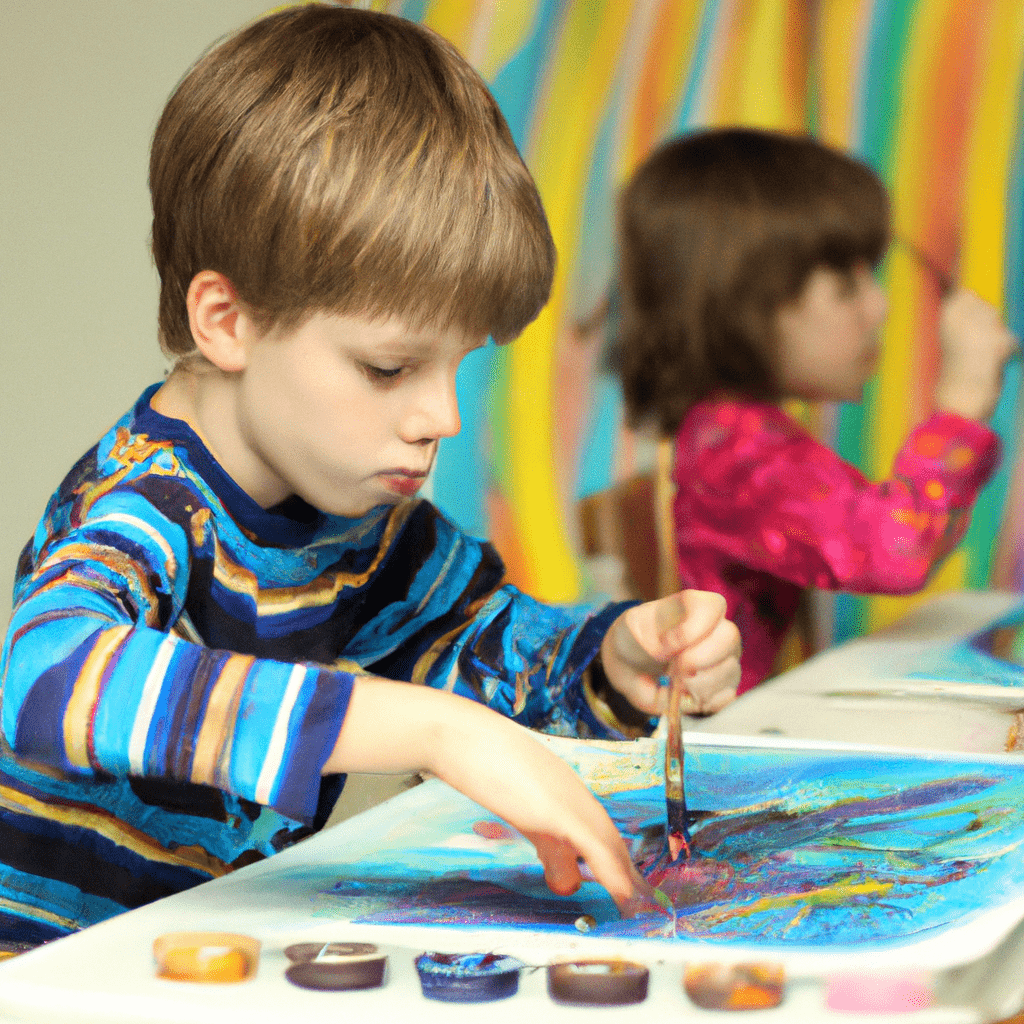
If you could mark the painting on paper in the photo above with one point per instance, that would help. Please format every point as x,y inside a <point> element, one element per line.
<point>992,656</point>
<point>793,848</point>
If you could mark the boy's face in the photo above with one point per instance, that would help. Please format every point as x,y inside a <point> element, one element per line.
<point>828,336</point>
<point>345,412</point>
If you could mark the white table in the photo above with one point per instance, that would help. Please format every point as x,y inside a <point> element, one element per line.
<point>858,692</point>
<point>106,972</point>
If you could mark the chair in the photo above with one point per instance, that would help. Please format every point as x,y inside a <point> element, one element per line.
<point>626,533</point>
<point>627,539</point>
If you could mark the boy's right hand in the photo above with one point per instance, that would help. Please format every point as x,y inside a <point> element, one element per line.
<point>399,727</point>
<point>975,345</point>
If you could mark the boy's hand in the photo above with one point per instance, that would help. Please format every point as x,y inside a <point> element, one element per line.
<point>398,727</point>
<point>975,345</point>
<point>684,636</point>
<point>511,773</point>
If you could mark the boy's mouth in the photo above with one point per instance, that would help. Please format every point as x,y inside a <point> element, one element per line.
<point>405,482</point>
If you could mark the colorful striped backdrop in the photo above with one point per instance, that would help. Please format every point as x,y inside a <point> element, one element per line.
<point>928,91</point>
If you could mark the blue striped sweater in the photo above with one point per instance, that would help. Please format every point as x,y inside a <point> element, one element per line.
<point>179,662</point>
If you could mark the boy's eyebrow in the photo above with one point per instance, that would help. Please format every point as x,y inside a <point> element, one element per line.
<point>417,344</point>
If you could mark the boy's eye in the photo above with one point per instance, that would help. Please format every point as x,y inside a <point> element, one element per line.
<point>381,373</point>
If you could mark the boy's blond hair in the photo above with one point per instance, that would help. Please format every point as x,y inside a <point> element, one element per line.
<point>347,161</point>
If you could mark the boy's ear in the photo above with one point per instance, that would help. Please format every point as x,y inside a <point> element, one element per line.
<point>220,326</point>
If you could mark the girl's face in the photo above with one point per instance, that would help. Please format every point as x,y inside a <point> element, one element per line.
<point>828,336</point>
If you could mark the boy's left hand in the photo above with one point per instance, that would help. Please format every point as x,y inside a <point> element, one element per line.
<point>685,636</point>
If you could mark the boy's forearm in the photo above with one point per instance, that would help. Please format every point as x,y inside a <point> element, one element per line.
<point>90,695</point>
<point>392,727</point>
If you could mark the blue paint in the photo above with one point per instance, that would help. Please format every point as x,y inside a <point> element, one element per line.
<point>468,977</point>
<point>794,849</point>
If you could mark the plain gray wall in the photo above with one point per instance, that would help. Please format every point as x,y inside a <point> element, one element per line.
<point>82,84</point>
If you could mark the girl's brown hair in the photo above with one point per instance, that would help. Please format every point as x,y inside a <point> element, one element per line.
<point>340,160</point>
<point>717,231</point>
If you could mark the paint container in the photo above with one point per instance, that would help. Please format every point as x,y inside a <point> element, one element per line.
<point>335,966</point>
<point>598,982</point>
<point>752,986</point>
<point>206,957</point>
<point>468,977</point>
<point>879,993</point>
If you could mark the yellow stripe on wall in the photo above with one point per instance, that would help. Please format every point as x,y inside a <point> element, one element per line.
<point>840,52</point>
<point>452,19</point>
<point>574,101</point>
<point>764,93</point>
<point>990,152</point>
<point>508,29</point>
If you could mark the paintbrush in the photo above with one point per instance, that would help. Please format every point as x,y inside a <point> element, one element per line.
<point>677,831</point>
<point>946,280</point>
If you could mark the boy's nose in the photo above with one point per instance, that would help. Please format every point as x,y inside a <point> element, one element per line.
<point>436,415</point>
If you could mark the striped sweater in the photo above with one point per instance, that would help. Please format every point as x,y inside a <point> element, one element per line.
<point>179,662</point>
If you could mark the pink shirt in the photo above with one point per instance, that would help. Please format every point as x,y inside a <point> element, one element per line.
<point>764,510</point>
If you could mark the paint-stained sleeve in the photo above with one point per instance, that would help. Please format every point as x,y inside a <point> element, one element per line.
<point>761,490</point>
<point>94,679</point>
<point>446,617</point>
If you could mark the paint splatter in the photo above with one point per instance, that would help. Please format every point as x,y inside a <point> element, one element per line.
<point>490,829</point>
<point>792,848</point>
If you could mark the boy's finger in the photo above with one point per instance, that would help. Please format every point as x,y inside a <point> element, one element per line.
<point>647,695</point>
<point>704,685</point>
<point>658,630</point>
<point>643,690</point>
<point>721,644</point>
<point>718,701</point>
<point>686,618</point>
<point>561,871</point>
<point>631,892</point>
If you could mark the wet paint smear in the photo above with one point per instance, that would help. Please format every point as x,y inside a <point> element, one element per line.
<point>494,830</point>
<point>792,848</point>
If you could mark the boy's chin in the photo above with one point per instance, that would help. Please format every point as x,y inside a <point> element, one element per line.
<point>358,509</point>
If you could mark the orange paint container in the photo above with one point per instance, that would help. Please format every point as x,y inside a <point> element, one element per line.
<point>752,986</point>
<point>206,957</point>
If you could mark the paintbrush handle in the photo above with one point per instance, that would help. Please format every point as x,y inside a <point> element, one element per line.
<point>944,278</point>
<point>675,796</point>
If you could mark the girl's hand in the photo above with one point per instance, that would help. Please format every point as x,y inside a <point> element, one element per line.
<point>975,345</point>
<point>684,636</point>
<point>398,727</point>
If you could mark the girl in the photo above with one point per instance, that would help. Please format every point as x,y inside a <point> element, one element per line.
<point>746,279</point>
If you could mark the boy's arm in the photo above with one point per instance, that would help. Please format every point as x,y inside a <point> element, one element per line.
<point>91,682</point>
<point>393,727</point>
<point>447,618</point>
<point>86,691</point>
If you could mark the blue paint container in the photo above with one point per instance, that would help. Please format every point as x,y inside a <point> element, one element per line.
<point>468,977</point>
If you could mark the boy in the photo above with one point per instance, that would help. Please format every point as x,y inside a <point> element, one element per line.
<point>228,596</point>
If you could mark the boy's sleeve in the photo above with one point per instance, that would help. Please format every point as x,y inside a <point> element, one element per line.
<point>791,507</point>
<point>452,622</point>
<point>91,681</point>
